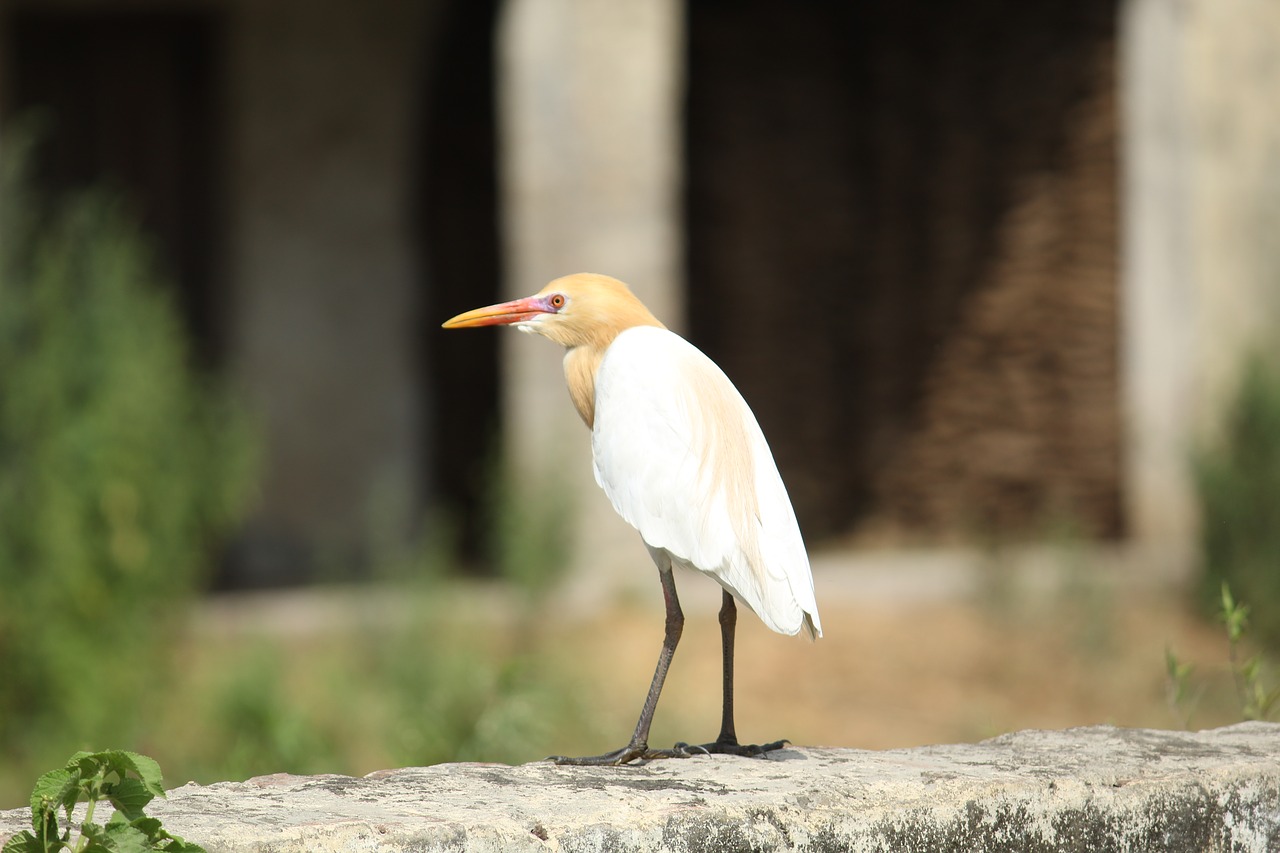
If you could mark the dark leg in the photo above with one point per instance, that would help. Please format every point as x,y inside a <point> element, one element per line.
<point>728,627</point>
<point>727,742</point>
<point>639,745</point>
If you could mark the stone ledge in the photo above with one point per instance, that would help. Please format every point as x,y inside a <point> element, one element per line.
<point>1088,789</point>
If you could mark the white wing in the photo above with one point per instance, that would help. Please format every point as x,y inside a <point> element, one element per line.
<point>683,460</point>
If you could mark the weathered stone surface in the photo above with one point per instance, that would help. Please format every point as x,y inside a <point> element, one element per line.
<point>1092,789</point>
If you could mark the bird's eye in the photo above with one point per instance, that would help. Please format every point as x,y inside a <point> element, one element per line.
<point>557,300</point>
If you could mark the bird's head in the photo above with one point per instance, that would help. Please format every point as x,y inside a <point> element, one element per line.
<point>584,309</point>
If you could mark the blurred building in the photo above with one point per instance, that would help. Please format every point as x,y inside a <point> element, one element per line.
<point>982,271</point>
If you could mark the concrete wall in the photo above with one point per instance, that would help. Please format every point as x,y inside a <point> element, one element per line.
<point>1097,789</point>
<point>319,102</point>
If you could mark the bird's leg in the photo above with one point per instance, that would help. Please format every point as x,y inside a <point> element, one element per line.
<point>727,742</point>
<point>639,745</point>
<point>728,628</point>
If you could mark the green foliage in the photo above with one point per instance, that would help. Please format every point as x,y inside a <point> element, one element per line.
<point>419,669</point>
<point>126,780</point>
<point>1238,485</point>
<point>1257,700</point>
<point>450,699</point>
<point>1257,691</point>
<point>1181,697</point>
<point>256,727</point>
<point>119,468</point>
<point>531,530</point>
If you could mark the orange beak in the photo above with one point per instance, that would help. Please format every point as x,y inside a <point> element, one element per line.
<point>503,314</point>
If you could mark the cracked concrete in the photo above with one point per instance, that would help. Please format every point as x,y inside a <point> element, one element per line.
<point>1094,789</point>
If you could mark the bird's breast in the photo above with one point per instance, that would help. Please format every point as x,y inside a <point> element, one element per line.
<point>581,365</point>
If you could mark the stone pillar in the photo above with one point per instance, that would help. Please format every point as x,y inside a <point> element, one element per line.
<point>1201,272</point>
<point>589,102</point>
<point>323,310</point>
<point>1233,79</point>
<point>1157,301</point>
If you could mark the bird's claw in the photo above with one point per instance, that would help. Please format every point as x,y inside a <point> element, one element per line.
<point>746,750</point>
<point>642,752</point>
<point>628,753</point>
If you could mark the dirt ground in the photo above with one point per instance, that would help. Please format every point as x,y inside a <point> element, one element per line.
<point>905,673</point>
<point>944,657</point>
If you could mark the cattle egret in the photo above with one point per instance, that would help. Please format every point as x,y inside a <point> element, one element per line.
<point>683,461</point>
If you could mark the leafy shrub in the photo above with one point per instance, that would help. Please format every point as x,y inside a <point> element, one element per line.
<point>119,468</point>
<point>449,699</point>
<point>257,725</point>
<point>1238,484</point>
<point>126,780</point>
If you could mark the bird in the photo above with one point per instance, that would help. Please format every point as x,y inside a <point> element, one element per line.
<point>683,460</point>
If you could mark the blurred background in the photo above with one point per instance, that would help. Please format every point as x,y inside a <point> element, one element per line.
<point>1000,282</point>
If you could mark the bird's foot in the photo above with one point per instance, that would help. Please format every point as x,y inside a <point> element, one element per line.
<point>630,752</point>
<point>730,746</point>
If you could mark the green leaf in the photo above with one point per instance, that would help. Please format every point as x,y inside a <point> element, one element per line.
<point>150,826</point>
<point>1250,668</point>
<point>123,838</point>
<point>162,839</point>
<point>146,769</point>
<point>129,796</point>
<point>46,831</point>
<point>177,845</point>
<point>1236,616</point>
<point>53,790</point>
<point>23,842</point>
<point>122,763</point>
<point>1177,671</point>
<point>114,838</point>
<point>1269,704</point>
<point>86,762</point>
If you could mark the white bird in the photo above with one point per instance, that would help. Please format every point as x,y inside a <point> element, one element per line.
<point>683,460</point>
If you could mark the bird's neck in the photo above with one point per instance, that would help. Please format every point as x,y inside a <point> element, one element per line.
<point>593,330</point>
<point>580,366</point>
<point>582,362</point>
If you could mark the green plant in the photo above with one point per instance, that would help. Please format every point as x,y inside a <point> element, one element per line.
<point>1257,700</point>
<point>452,690</point>
<point>1179,694</point>
<point>126,780</point>
<point>257,728</point>
<point>120,467</point>
<point>531,528</point>
<point>1256,694</point>
<point>1238,488</point>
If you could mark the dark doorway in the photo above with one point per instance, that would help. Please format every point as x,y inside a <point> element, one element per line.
<point>902,246</point>
<point>458,212</point>
<point>130,100</point>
